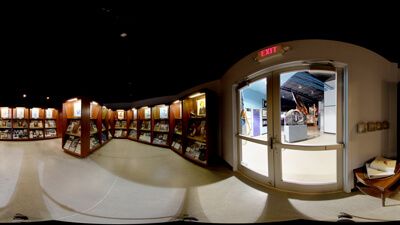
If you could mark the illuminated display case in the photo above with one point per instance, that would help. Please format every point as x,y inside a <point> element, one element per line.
<point>160,125</point>
<point>51,123</point>
<point>6,123</point>
<point>133,126</point>
<point>199,123</point>
<point>82,123</point>
<point>176,126</point>
<point>20,122</point>
<point>121,121</point>
<point>105,125</point>
<point>36,123</point>
<point>144,124</point>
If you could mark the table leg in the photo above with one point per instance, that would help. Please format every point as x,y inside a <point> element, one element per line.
<point>383,199</point>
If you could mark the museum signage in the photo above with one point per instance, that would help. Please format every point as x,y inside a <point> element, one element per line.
<point>267,53</point>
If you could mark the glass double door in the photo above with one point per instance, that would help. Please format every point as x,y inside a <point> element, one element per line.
<point>290,129</point>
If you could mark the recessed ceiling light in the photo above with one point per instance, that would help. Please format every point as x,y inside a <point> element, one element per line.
<point>47,97</point>
<point>24,95</point>
<point>123,35</point>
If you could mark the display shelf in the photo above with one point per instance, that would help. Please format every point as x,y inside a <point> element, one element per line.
<point>36,134</point>
<point>160,125</point>
<point>144,124</point>
<point>36,124</point>
<point>20,134</point>
<point>6,123</point>
<point>121,121</point>
<point>52,123</point>
<point>193,157</point>
<point>199,137</point>
<point>96,115</point>
<point>175,115</point>
<point>133,126</point>
<point>5,134</point>
<point>82,124</point>
<point>50,133</point>
<point>20,121</point>
<point>105,125</point>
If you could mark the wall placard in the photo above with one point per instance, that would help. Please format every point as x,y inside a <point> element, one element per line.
<point>20,113</point>
<point>49,113</point>
<point>4,112</point>
<point>120,114</point>
<point>35,113</point>
<point>147,113</point>
<point>77,109</point>
<point>164,112</point>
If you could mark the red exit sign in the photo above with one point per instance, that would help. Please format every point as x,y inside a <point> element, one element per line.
<point>269,52</point>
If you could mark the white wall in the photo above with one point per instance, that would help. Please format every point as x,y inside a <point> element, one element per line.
<point>372,96</point>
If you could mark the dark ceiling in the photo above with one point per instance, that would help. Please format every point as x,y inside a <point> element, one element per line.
<point>63,52</point>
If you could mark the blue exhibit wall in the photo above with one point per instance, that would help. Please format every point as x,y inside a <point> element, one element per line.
<point>254,100</point>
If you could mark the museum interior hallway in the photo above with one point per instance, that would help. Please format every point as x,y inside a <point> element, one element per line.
<point>130,182</point>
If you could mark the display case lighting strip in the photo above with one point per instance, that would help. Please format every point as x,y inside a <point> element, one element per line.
<point>72,100</point>
<point>196,95</point>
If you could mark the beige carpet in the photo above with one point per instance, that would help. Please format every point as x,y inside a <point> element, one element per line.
<point>129,182</point>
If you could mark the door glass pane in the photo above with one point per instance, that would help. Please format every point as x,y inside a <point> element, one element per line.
<point>253,110</point>
<point>309,167</point>
<point>308,107</point>
<point>254,156</point>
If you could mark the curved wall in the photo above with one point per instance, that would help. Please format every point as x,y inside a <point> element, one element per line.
<point>371,97</point>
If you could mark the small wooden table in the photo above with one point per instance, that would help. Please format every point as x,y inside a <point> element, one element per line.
<point>381,187</point>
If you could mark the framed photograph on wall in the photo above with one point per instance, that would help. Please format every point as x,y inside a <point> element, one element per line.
<point>371,126</point>
<point>385,125</point>
<point>120,114</point>
<point>361,127</point>
<point>378,125</point>
<point>201,107</point>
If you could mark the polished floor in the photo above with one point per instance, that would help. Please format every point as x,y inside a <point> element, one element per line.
<point>130,182</point>
<point>304,167</point>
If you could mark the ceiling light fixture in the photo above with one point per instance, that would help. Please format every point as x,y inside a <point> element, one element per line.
<point>47,97</point>
<point>24,95</point>
<point>123,35</point>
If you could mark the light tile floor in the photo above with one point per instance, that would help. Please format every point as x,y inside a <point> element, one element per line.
<point>130,182</point>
